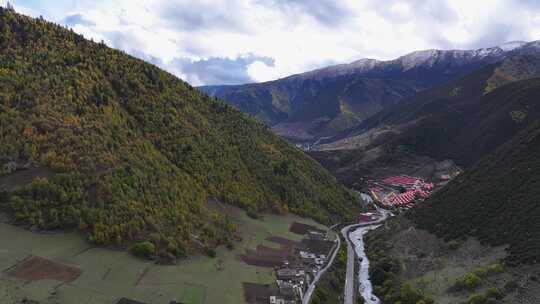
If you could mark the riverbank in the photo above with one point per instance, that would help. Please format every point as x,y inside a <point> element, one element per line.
<point>365,287</point>
<point>352,251</point>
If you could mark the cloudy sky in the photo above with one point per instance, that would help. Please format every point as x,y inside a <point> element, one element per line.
<point>239,41</point>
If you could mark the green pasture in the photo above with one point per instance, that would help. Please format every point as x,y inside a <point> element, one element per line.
<point>110,274</point>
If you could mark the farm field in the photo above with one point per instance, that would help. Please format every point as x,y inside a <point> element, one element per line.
<point>103,276</point>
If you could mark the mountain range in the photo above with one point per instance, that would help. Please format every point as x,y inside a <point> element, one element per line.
<point>488,122</point>
<point>324,102</point>
<point>463,119</point>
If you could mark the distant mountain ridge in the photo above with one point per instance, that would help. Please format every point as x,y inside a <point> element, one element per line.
<point>323,102</point>
<point>418,58</point>
<point>463,119</point>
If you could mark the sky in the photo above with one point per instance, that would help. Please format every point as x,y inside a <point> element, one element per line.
<point>208,42</point>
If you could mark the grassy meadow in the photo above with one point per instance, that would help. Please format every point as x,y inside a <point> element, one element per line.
<point>108,274</point>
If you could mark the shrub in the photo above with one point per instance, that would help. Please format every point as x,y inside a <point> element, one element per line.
<point>481,272</point>
<point>477,299</point>
<point>409,294</point>
<point>144,249</point>
<point>470,281</point>
<point>454,244</point>
<point>253,214</point>
<point>496,268</point>
<point>211,252</point>
<point>494,293</point>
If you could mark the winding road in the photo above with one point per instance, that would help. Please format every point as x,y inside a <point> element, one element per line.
<point>313,285</point>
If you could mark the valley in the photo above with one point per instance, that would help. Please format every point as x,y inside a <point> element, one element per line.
<point>412,180</point>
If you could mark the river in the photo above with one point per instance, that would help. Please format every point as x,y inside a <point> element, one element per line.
<point>365,287</point>
<point>366,197</point>
<point>355,244</point>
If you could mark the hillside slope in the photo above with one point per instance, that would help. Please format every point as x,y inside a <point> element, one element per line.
<point>492,129</point>
<point>496,200</point>
<point>125,151</point>
<point>324,102</point>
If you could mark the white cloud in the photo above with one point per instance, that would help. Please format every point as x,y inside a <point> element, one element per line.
<point>298,34</point>
<point>260,71</point>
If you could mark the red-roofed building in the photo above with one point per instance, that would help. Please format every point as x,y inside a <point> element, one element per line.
<point>367,217</point>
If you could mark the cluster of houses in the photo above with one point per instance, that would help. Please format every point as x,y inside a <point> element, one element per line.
<point>294,276</point>
<point>400,191</point>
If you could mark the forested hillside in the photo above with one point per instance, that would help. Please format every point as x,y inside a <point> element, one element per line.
<point>302,108</point>
<point>497,198</point>
<point>93,138</point>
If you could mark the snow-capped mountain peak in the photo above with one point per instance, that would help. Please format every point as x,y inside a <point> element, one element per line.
<point>418,58</point>
<point>511,45</point>
<point>364,64</point>
<point>428,58</point>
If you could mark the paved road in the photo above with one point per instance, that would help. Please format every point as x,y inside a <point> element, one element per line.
<point>311,288</point>
<point>349,277</point>
<point>351,257</point>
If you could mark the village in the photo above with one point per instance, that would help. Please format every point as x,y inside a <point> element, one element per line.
<point>402,192</point>
<point>295,265</point>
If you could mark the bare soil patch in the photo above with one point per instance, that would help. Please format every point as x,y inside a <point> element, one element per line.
<point>255,258</point>
<point>283,251</point>
<point>265,256</point>
<point>256,293</point>
<point>37,268</point>
<point>301,228</point>
<point>283,241</point>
